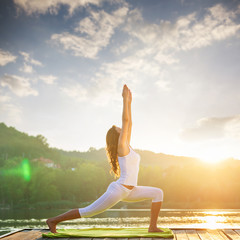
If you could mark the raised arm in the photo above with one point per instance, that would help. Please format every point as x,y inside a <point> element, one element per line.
<point>130,117</point>
<point>122,143</point>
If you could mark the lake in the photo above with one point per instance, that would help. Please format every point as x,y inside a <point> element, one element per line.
<point>11,220</point>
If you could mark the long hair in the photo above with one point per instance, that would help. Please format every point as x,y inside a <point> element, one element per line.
<point>111,149</point>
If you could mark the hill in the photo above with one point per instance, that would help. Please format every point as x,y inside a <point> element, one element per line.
<point>15,143</point>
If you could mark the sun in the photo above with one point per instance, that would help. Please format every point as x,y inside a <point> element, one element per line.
<point>211,157</point>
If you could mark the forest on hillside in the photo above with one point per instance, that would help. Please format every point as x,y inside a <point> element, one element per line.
<point>34,175</point>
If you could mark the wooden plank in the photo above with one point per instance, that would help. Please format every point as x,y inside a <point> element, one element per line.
<point>34,234</point>
<point>231,234</point>
<point>26,235</point>
<point>216,234</point>
<point>192,235</point>
<point>56,238</point>
<point>47,231</point>
<point>10,233</point>
<point>144,238</point>
<point>108,238</point>
<point>136,238</point>
<point>175,236</point>
<point>16,236</point>
<point>181,235</point>
<point>224,235</point>
<point>205,235</point>
<point>200,228</point>
<point>101,238</point>
<point>78,238</point>
<point>155,238</point>
<point>43,231</point>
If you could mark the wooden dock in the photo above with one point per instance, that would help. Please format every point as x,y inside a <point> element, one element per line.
<point>179,234</point>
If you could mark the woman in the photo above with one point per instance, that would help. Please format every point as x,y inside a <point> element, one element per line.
<point>123,159</point>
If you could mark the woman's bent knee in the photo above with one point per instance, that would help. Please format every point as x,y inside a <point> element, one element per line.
<point>158,195</point>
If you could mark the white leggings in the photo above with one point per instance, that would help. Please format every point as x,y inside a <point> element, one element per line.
<point>116,193</point>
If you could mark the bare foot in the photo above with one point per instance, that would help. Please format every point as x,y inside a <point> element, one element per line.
<point>51,225</point>
<point>154,229</point>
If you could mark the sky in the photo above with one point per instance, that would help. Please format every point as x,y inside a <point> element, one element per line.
<point>63,65</point>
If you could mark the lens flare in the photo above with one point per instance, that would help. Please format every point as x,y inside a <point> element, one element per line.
<point>24,170</point>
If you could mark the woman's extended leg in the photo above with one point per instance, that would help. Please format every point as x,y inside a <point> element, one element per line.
<point>140,193</point>
<point>71,214</point>
<point>112,196</point>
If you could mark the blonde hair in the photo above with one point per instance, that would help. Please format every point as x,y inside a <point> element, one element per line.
<point>111,150</point>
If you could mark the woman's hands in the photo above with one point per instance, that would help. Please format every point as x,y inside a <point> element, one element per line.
<point>130,96</point>
<point>126,93</point>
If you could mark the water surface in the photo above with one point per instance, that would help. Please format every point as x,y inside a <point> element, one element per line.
<point>12,220</point>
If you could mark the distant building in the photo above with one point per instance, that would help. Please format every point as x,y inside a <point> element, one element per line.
<point>46,162</point>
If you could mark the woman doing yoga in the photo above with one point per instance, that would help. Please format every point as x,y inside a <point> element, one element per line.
<point>125,162</point>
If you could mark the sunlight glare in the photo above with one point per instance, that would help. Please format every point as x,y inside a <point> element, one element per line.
<point>214,222</point>
<point>211,157</point>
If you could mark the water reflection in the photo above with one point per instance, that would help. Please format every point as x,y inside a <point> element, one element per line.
<point>124,218</point>
<point>214,222</point>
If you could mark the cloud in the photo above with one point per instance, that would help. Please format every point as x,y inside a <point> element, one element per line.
<point>76,91</point>
<point>125,47</point>
<point>217,25</point>
<point>150,48</point>
<point>30,60</point>
<point>213,128</point>
<point>9,111</point>
<point>133,69</point>
<point>165,39</point>
<point>232,128</point>
<point>6,57</point>
<point>163,58</point>
<point>26,68</point>
<point>48,79</point>
<point>162,80</point>
<point>52,7</point>
<point>28,63</point>
<point>186,33</point>
<point>107,83</point>
<point>18,85</point>
<point>158,43</point>
<point>94,33</point>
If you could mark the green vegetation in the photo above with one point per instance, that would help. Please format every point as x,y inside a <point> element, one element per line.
<point>33,175</point>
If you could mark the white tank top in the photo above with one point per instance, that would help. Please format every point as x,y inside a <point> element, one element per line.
<point>129,168</point>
